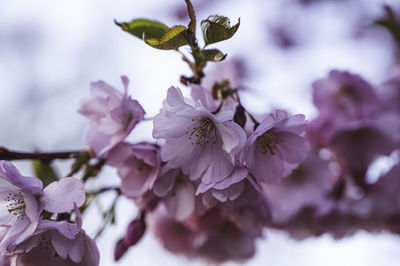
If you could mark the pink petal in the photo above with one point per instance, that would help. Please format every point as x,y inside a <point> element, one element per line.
<point>181,203</point>
<point>221,195</point>
<point>292,148</point>
<point>233,136</point>
<point>203,96</point>
<point>267,168</point>
<point>174,97</point>
<point>60,196</point>
<point>165,183</point>
<point>125,81</point>
<point>238,175</point>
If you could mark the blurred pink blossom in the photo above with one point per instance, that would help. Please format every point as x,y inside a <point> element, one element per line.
<point>57,243</point>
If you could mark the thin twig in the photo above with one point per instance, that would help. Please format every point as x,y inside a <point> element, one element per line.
<point>102,190</point>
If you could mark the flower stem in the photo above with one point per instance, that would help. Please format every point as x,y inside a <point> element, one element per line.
<point>256,123</point>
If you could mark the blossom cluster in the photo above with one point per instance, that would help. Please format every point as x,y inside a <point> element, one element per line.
<point>216,176</point>
<point>358,123</point>
<point>28,236</point>
<point>333,190</point>
<point>204,175</point>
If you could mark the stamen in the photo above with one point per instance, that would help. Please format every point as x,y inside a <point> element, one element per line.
<point>202,132</point>
<point>16,205</point>
<point>268,142</point>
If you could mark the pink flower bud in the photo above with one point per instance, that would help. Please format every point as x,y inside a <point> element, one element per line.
<point>134,232</point>
<point>120,249</point>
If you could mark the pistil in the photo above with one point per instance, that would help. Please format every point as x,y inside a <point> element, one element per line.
<point>268,142</point>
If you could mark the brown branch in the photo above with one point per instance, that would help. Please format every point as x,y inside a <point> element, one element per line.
<point>307,224</point>
<point>6,154</point>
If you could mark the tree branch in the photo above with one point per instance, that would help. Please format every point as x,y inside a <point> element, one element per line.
<point>6,154</point>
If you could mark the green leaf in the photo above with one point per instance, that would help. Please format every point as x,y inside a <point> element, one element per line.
<point>45,172</point>
<point>217,28</point>
<point>172,39</point>
<point>138,27</point>
<point>212,55</point>
<point>80,161</point>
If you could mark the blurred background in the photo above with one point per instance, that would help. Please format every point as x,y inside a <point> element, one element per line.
<point>51,50</point>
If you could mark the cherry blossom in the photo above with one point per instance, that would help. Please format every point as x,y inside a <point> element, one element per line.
<point>57,243</point>
<point>276,146</point>
<point>308,186</point>
<point>138,166</point>
<point>23,200</point>
<point>112,116</point>
<point>200,137</point>
<point>345,95</point>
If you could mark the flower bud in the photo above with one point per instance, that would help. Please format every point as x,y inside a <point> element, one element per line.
<point>134,232</point>
<point>120,249</point>
<point>240,116</point>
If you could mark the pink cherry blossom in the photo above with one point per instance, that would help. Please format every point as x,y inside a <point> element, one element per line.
<point>345,95</point>
<point>218,230</point>
<point>57,243</point>
<point>138,166</point>
<point>112,116</point>
<point>356,142</point>
<point>175,236</point>
<point>276,146</point>
<point>211,236</point>
<point>309,185</point>
<point>227,242</point>
<point>200,138</point>
<point>344,100</point>
<point>21,210</point>
<point>357,146</point>
<point>354,123</point>
<point>23,200</point>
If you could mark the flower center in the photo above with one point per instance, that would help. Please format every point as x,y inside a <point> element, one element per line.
<point>202,132</point>
<point>268,142</point>
<point>16,205</point>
